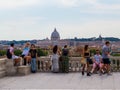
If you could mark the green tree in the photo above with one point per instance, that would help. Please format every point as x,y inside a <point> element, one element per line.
<point>42,52</point>
<point>18,52</point>
<point>3,52</point>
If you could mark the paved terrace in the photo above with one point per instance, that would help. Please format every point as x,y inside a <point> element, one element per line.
<point>43,79</point>
<point>61,81</point>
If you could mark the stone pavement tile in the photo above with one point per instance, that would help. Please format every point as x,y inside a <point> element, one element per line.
<point>107,82</point>
<point>94,82</point>
<point>6,80</point>
<point>117,81</point>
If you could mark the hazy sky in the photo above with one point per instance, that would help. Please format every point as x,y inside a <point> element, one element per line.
<point>36,19</point>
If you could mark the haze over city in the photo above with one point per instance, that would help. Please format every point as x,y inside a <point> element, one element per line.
<point>36,19</point>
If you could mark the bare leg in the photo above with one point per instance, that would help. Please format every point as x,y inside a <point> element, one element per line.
<point>83,69</point>
<point>94,66</point>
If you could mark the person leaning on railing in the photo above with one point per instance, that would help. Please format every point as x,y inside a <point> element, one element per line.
<point>55,59</point>
<point>25,54</point>
<point>33,54</point>
<point>65,60</point>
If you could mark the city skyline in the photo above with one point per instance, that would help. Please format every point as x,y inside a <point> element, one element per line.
<point>36,19</point>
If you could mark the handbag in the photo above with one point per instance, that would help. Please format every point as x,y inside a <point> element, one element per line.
<point>83,60</point>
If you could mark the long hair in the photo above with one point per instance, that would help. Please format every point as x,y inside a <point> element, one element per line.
<point>55,48</point>
<point>86,48</point>
<point>33,45</point>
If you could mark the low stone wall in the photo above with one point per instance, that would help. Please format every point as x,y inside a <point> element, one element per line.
<point>44,65</point>
<point>11,70</point>
<point>2,68</point>
<point>7,68</point>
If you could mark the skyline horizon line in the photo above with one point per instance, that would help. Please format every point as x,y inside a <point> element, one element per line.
<point>60,38</point>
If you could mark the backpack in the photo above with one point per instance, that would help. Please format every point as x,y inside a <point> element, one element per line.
<point>9,55</point>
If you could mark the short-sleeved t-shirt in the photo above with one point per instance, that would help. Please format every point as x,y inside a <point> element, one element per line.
<point>98,58</point>
<point>33,53</point>
<point>104,50</point>
<point>11,50</point>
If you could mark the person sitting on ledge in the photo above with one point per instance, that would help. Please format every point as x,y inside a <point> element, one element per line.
<point>25,54</point>
<point>17,59</point>
<point>97,62</point>
<point>65,59</point>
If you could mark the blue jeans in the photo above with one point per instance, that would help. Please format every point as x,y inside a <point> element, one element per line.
<point>33,65</point>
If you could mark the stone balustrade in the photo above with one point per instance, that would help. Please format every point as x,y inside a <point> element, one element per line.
<point>44,65</point>
<point>7,68</point>
<point>115,64</point>
<point>74,64</point>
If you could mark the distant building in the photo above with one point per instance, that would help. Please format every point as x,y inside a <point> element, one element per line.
<point>55,40</point>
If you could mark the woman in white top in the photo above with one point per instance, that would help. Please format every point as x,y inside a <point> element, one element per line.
<point>55,60</point>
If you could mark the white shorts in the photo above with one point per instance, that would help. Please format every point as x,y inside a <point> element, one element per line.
<point>14,57</point>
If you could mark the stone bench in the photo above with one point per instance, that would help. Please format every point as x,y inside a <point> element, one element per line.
<point>23,70</point>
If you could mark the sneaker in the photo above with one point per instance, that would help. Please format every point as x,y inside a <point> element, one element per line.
<point>88,74</point>
<point>82,72</point>
<point>33,71</point>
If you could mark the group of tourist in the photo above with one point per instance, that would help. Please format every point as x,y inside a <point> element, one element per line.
<point>60,59</point>
<point>100,62</point>
<point>29,55</point>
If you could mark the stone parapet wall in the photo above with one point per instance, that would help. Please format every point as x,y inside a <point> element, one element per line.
<point>7,68</point>
<point>11,70</point>
<point>2,67</point>
<point>44,65</point>
<point>74,64</point>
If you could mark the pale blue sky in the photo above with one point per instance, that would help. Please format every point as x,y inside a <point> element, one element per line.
<point>36,19</point>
